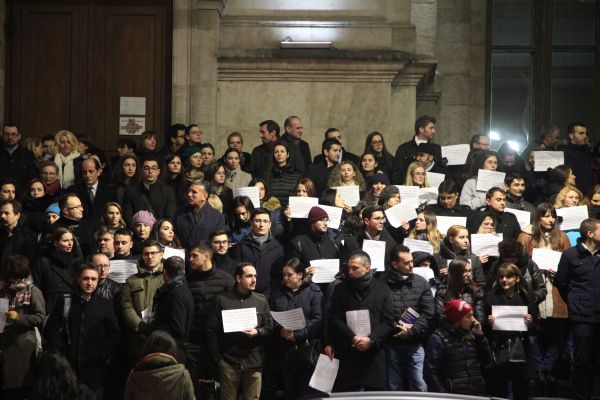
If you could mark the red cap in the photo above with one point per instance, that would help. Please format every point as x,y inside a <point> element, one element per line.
<point>455,310</point>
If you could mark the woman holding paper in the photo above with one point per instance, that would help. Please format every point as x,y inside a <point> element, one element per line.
<point>570,196</point>
<point>469,196</point>
<point>23,305</point>
<point>544,233</point>
<point>296,292</point>
<point>283,177</point>
<point>510,344</point>
<point>426,229</point>
<point>416,175</point>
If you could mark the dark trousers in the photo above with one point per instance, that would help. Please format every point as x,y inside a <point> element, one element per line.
<point>515,373</point>
<point>203,371</point>
<point>586,373</point>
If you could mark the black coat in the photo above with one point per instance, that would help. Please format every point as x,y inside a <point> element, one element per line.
<point>89,335</point>
<point>385,236</point>
<point>159,199</point>
<point>204,286</point>
<point>173,311</point>
<point>405,154</point>
<point>346,156</point>
<point>472,296</point>
<point>312,246</point>
<point>366,368</point>
<point>34,209</point>
<point>580,158</point>
<point>506,223</point>
<point>82,230</point>
<point>20,166</point>
<point>309,298</point>
<point>319,173</point>
<point>453,361</point>
<point>536,284</point>
<point>193,227</point>
<point>447,253</point>
<point>225,263</point>
<point>300,157</point>
<point>458,210</point>
<point>22,241</point>
<point>268,261</point>
<point>53,272</point>
<point>414,292</point>
<point>577,279</point>
<point>93,211</point>
<point>283,181</point>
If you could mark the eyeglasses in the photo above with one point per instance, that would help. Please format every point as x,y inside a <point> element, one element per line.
<point>103,266</point>
<point>150,253</point>
<point>377,142</point>
<point>153,168</point>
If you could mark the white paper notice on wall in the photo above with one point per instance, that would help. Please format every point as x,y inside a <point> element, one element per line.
<point>132,106</point>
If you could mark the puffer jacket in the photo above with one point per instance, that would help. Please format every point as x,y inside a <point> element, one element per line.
<point>309,298</point>
<point>453,361</point>
<point>414,292</point>
<point>472,296</point>
<point>159,376</point>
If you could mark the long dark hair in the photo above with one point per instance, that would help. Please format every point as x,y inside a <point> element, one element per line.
<point>456,270</point>
<point>118,178</point>
<point>369,148</point>
<point>478,161</point>
<point>55,379</point>
<point>538,236</point>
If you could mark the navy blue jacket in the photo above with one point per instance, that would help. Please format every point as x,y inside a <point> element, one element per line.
<point>578,281</point>
<point>309,298</point>
<point>192,227</point>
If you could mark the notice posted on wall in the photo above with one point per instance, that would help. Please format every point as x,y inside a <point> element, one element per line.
<point>132,115</point>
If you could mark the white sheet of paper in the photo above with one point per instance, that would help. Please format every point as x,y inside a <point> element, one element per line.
<point>572,216</point>
<point>456,154</point>
<point>444,223</point>
<point>435,179</point>
<point>428,195</point>
<point>326,270</point>
<point>335,216</point>
<point>170,252</point>
<point>546,258</point>
<point>147,314</point>
<point>488,179</point>
<point>418,245</point>
<point>509,318</point>
<point>120,270</point>
<point>3,310</point>
<point>400,213</point>
<point>300,206</point>
<point>409,195</point>
<point>376,250</point>
<point>485,243</point>
<point>249,191</point>
<point>239,319</point>
<point>548,159</point>
<point>326,370</point>
<point>291,319</point>
<point>132,106</point>
<point>359,322</point>
<point>524,217</point>
<point>350,194</point>
<point>425,272</point>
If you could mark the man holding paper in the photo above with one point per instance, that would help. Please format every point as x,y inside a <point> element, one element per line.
<point>361,318</point>
<point>374,229</point>
<point>413,311</point>
<point>506,223</point>
<point>578,281</point>
<point>240,354</point>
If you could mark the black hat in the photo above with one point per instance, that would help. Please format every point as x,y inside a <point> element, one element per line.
<point>427,148</point>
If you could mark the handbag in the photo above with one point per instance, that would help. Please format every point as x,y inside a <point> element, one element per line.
<point>303,355</point>
<point>511,350</point>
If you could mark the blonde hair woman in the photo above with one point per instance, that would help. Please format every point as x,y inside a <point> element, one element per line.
<point>66,157</point>
<point>426,229</point>
<point>416,175</point>
<point>569,196</point>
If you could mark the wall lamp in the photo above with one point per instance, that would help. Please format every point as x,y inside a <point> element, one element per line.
<point>287,43</point>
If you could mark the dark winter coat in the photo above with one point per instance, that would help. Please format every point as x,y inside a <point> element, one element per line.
<point>308,297</point>
<point>346,156</point>
<point>236,348</point>
<point>531,273</point>
<point>412,291</point>
<point>506,223</point>
<point>267,260</point>
<point>405,154</point>
<point>194,226</point>
<point>577,280</point>
<point>22,241</point>
<point>19,165</point>
<point>34,209</point>
<point>361,368</point>
<point>92,212</point>
<point>458,210</point>
<point>225,263</point>
<point>110,290</point>
<point>82,230</point>
<point>159,199</point>
<point>319,173</point>
<point>580,158</point>
<point>385,236</point>
<point>447,253</point>
<point>173,311</point>
<point>300,156</point>
<point>454,360</point>
<point>283,181</point>
<point>205,286</point>
<point>313,246</point>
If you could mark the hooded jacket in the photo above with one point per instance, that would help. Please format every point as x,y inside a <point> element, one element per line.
<point>159,376</point>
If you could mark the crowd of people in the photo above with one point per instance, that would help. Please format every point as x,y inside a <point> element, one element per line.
<point>81,325</point>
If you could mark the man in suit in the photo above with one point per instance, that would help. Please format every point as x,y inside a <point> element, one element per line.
<point>93,193</point>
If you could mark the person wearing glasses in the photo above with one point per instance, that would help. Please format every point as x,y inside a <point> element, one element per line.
<point>107,288</point>
<point>150,194</point>
<point>138,296</point>
<point>262,250</point>
<point>374,229</point>
<point>470,196</point>
<point>15,160</point>
<point>219,242</point>
<point>71,217</point>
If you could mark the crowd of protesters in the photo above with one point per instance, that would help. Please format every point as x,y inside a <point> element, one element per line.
<point>428,321</point>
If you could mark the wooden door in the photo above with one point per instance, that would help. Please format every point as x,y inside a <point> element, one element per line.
<point>71,61</point>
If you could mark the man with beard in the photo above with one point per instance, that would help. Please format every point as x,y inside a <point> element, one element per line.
<point>515,186</point>
<point>578,155</point>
